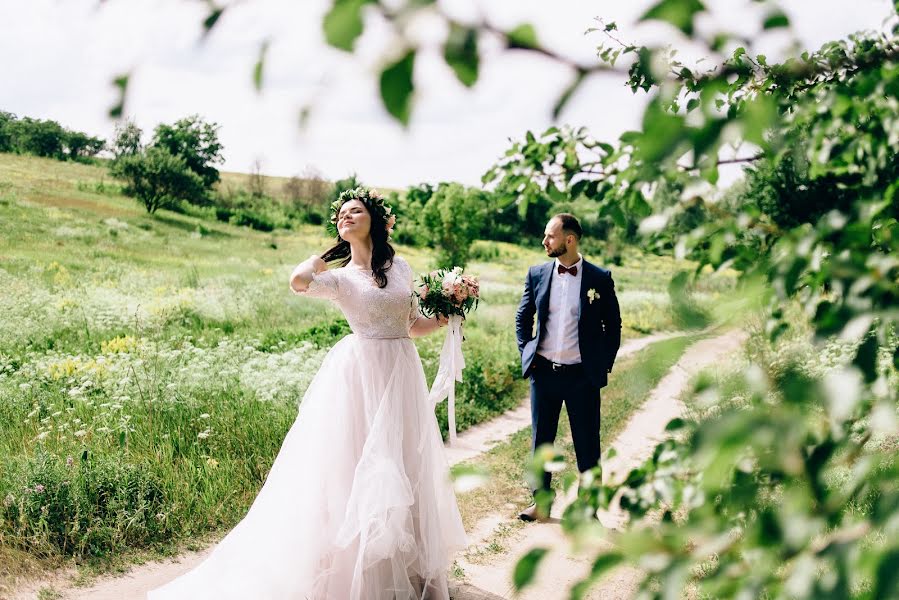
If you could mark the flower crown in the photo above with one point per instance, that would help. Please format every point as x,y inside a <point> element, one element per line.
<point>372,200</point>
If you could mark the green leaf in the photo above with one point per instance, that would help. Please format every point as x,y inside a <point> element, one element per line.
<point>578,188</point>
<point>523,207</point>
<point>523,36</point>
<point>768,528</point>
<point>757,117</point>
<point>776,19</point>
<point>866,358</point>
<point>555,194</point>
<point>662,132</point>
<point>397,87</point>
<point>679,13</point>
<point>675,424</point>
<point>461,53</point>
<point>719,41</point>
<point>527,567</point>
<point>568,93</point>
<point>618,215</point>
<point>258,68</point>
<point>210,21</point>
<point>603,564</point>
<point>343,23</point>
<point>887,578</point>
<point>121,82</point>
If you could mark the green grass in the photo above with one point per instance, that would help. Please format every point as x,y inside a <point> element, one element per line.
<point>151,365</point>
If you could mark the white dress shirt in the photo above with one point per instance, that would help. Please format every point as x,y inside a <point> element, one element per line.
<point>560,344</point>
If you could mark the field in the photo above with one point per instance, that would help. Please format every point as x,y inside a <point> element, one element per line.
<point>151,365</point>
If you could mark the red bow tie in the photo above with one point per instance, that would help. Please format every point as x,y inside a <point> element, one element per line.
<point>572,270</point>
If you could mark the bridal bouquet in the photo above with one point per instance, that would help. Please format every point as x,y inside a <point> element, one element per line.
<point>449,293</point>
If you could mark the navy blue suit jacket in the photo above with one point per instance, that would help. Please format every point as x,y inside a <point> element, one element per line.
<point>599,326</point>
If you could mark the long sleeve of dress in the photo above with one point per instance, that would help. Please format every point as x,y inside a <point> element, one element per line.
<point>323,285</point>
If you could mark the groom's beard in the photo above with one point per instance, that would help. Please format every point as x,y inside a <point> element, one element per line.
<point>557,252</point>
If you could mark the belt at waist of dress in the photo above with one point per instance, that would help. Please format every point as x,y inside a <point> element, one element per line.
<point>382,337</point>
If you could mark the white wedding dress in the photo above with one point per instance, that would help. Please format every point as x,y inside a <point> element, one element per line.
<point>358,504</point>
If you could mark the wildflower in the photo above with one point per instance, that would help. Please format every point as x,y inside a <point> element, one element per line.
<point>39,489</point>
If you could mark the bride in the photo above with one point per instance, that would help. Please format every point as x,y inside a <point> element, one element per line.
<point>358,504</point>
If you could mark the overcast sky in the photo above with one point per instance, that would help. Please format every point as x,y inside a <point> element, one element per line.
<point>59,57</point>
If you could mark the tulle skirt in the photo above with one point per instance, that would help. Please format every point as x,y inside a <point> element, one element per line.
<point>358,504</point>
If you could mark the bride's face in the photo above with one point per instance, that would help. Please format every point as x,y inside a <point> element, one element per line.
<point>353,221</point>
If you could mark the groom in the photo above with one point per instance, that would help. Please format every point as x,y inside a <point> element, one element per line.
<point>572,349</point>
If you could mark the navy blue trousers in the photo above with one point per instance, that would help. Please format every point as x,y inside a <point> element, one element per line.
<point>549,390</point>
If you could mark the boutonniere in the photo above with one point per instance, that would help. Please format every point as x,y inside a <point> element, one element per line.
<point>592,295</point>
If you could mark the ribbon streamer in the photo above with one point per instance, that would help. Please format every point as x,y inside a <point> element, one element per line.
<point>449,372</point>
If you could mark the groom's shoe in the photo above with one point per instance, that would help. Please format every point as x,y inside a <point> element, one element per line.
<point>532,513</point>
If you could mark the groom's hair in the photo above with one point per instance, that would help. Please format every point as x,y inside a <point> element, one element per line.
<point>570,224</point>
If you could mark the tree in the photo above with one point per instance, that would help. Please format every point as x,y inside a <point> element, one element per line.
<point>80,146</point>
<point>38,137</point>
<point>256,180</point>
<point>196,142</point>
<point>7,120</point>
<point>453,217</point>
<point>750,499</point>
<point>157,178</point>
<point>126,140</point>
<point>309,194</point>
<point>782,188</point>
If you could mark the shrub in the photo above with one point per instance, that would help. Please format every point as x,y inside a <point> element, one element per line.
<point>253,220</point>
<point>81,507</point>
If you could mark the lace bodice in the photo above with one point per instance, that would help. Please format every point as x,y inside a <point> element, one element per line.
<point>372,312</point>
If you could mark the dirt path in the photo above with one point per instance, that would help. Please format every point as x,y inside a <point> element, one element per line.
<point>561,567</point>
<point>134,584</point>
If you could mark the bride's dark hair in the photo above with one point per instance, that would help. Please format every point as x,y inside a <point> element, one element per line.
<point>382,251</point>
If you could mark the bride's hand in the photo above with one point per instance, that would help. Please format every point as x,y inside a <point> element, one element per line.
<point>442,320</point>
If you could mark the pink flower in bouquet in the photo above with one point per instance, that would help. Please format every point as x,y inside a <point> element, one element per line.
<point>424,292</point>
<point>460,293</point>
<point>474,288</point>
